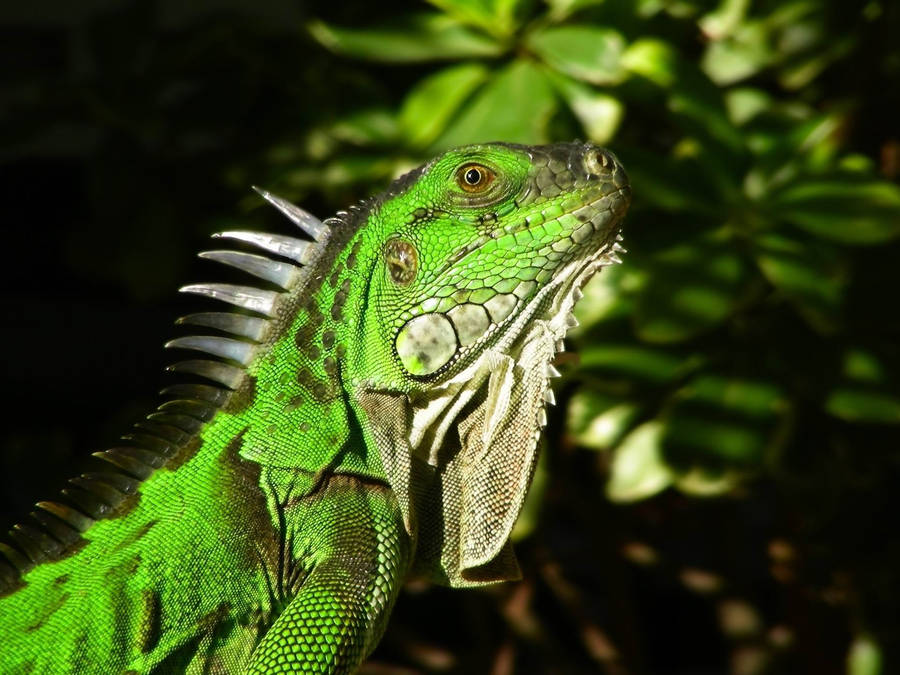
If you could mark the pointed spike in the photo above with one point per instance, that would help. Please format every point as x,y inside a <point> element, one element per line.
<point>124,484</point>
<point>578,294</point>
<point>152,443</point>
<point>287,247</point>
<point>560,345</point>
<point>619,237</point>
<point>60,531</point>
<point>166,432</point>
<point>188,425</point>
<point>105,493</point>
<point>145,457</point>
<point>552,371</point>
<point>216,371</point>
<point>618,248</point>
<point>280,273</point>
<point>87,502</point>
<point>542,418</point>
<point>195,409</point>
<point>302,218</point>
<point>74,519</point>
<point>202,392</point>
<point>127,464</point>
<point>9,575</point>
<point>246,297</point>
<point>226,348</point>
<point>613,258</point>
<point>237,324</point>
<point>571,321</point>
<point>37,545</point>
<point>16,558</point>
<point>549,397</point>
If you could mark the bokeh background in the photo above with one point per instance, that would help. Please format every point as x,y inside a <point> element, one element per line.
<point>718,491</point>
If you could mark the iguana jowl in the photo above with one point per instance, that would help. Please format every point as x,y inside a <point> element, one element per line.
<point>375,414</point>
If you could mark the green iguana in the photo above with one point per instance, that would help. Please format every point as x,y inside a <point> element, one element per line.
<point>375,414</point>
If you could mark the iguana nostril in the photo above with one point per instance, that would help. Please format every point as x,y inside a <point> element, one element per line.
<point>596,161</point>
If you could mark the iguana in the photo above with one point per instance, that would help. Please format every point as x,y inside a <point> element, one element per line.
<point>374,413</point>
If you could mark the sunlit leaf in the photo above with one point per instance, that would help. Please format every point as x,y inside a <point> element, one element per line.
<point>514,106</point>
<point>599,113</point>
<point>497,17</point>
<point>420,37</point>
<point>864,657</point>
<point>638,470</point>
<point>699,482</point>
<point>597,420</point>
<point>739,56</point>
<point>653,59</point>
<point>585,52</point>
<point>847,210</point>
<point>606,296</point>
<point>726,18</point>
<point>745,103</point>
<point>430,105</point>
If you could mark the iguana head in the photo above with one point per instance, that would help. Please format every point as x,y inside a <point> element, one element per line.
<point>481,254</point>
<point>478,242</point>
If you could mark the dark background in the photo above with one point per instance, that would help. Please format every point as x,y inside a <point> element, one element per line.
<point>130,131</point>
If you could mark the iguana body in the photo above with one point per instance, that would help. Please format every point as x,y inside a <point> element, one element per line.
<point>376,416</point>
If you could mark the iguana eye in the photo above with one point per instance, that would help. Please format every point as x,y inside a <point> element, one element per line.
<point>474,177</point>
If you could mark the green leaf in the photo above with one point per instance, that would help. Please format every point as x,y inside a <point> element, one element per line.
<point>421,37</point>
<point>864,657</point>
<point>694,287</point>
<point>722,423</point>
<point>588,53</point>
<point>369,126</point>
<point>855,404</point>
<point>600,114</point>
<point>497,17</point>
<point>739,56</point>
<point>650,364</point>
<point>638,470</point>
<point>514,106</point>
<point>652,59</point>
<point>809,273</point>
<point>848,210</point>
<point>431,104</point>
<point>598,420</point>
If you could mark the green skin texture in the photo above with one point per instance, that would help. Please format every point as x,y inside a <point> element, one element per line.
<point>279,537</point>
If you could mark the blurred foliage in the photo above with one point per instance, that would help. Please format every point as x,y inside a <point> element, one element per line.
<point>726,445</point>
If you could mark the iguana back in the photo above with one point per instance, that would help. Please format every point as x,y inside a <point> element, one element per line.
<point>371,411</point>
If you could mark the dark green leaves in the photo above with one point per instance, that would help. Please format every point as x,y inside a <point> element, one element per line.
<point>423,37</point>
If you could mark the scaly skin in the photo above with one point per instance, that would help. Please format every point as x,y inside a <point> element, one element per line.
<point>385,424</point>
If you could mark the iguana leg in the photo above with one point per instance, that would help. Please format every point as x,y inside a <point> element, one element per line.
<point>354,535</point>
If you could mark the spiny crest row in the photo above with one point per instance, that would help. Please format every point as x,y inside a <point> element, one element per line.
<point>57,526</point>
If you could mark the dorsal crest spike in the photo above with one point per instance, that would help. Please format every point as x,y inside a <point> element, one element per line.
<point>289,247</point>
<point>246,297</point>
<point>282,274</point>
<point>302,218</point>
